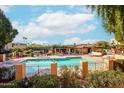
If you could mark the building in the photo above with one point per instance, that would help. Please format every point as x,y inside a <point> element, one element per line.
<point>59,50</point>
<point>65,50</point>
<point>88,48</point>
<point>15,45</point>
<point>42,51</point>
<point>19,45</point>
<point>84,48</point>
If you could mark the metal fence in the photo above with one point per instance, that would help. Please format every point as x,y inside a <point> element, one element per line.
<point>92,66</point>
<point>97,66</point>
<point>36,69</point>
<point>39,70</point>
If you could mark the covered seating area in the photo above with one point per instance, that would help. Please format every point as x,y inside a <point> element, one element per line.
<point>66,51</point>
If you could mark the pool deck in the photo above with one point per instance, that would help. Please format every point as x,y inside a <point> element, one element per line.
<point>19,60</point>
<point>87,58</point>
<point>95,59</point>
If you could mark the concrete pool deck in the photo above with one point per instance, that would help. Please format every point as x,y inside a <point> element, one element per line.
<point>18,60</point>
<point>93,61</point>
<point>87,58</point>
<point>91,58</point>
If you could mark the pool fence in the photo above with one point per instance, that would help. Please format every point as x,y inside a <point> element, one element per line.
<point>21,69</point>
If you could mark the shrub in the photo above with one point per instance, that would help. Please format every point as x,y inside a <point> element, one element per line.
<point>8,85</point>
<point>105,79</point>
<point>45,81</point>
<point>119,64</point>
<point>7,74</point>
<point>25,83</point>
<point>69,77</point>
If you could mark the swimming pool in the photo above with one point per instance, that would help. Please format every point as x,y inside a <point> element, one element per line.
<point>34,65</point>
<point>60,62</point>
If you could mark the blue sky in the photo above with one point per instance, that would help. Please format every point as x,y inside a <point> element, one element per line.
<point>56,24</point>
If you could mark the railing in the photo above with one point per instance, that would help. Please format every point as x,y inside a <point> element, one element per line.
<point>97,66</point>
<point>36,70</point>
<point>40,70</point>
<point>30,70</point>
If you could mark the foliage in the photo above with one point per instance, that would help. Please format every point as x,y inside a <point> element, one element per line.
<point>18,50</point>
<point>35,46</point>
<point>105,79</point>
<point>50,48</point>
<point>46,81</point>
<point>70,77</point>
<point>7,33</point>
<point>113,19</point>
<point>22,52</point>
<point>38,46</point>
<point>25,83</point>
<point>119,64</point>
<point>104,44</point>
<point>7,74</point>
<point>11,84</point>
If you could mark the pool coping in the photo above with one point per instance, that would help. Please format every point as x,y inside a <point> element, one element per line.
<point>19,60</point>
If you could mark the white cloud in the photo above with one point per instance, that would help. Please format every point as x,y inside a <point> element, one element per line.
<point>90,41</point>
<point>39,42</point>
<point>61,19</point>
<point>72,6</point>
<point>55,24</point>
<point>5,8</point>
<point>21,33</point>
<point>15,24</point>
<point>71,41</point>
<point>86,10</point>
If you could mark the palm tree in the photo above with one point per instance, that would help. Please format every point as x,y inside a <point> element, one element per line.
<point>113,19</point>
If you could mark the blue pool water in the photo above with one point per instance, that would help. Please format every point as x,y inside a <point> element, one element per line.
<point>60,62</point>
<point>34,65</point>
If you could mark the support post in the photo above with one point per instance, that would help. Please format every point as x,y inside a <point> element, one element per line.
<point>111,64</point>
<point>2,57</point>
<point>53,68</point>
<point>20,71</point>
<point>84,67</point>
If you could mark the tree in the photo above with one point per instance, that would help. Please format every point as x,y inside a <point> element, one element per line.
<point>35,46</point>
<point>113,19</point>
<point>104,44</point>
<point>7,32</point>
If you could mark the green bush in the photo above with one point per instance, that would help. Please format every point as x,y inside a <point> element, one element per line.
<point>8,85</point>
<point>46,81</point>
<point>119,64</point>
<point>69,77</point>
<point>25,83</point>
<point>104,79</point>
<point>7,74</point>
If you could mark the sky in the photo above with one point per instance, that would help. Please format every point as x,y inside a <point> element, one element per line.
<point>56,24</point>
